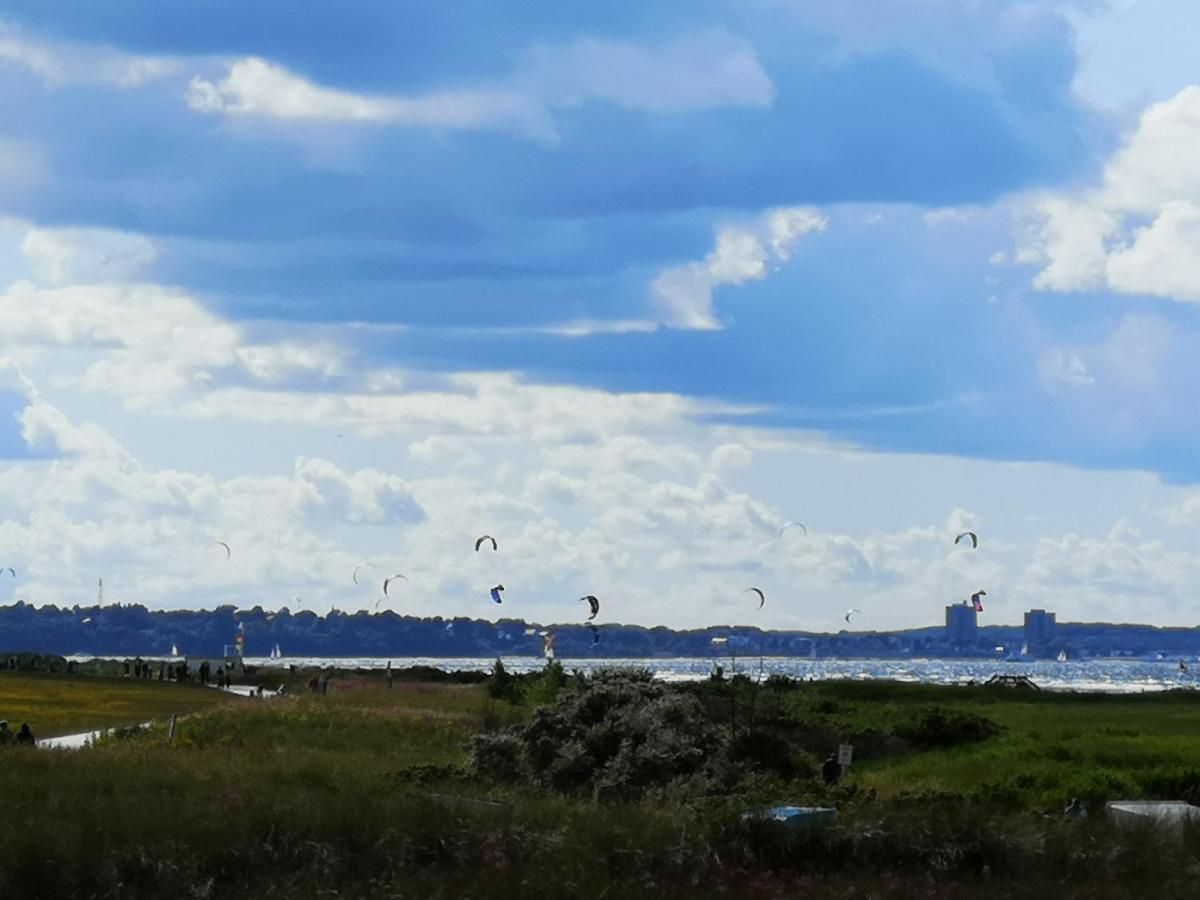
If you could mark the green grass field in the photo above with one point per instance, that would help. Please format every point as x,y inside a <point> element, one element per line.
<point>365,792</point>
<point>55,705</point>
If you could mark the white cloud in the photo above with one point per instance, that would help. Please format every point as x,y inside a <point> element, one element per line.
<point>63,255</point>
<point>1139,231</point>
<point>742,252</point>
<point>59,64</point>
<point>691,73</point>
<point>256,87</point>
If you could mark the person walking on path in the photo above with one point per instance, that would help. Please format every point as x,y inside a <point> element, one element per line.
<point>25,736</point>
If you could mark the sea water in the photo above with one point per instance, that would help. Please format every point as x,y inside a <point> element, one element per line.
<point>1105,675</point>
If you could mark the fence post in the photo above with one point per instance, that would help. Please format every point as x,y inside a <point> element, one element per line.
<point>171,732</point>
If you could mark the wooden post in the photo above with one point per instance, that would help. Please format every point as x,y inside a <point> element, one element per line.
<point>171,732</point>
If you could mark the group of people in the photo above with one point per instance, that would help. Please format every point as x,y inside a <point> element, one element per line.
<point>319,684</point>
<point>140,668</point>
<point>23,736</point>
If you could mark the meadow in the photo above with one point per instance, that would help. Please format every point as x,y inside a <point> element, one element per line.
<point>58,704</point>
<point>378,792</point>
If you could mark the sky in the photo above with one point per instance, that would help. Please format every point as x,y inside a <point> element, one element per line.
<point>628,287</point>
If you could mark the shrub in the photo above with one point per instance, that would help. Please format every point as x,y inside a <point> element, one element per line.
<point>940,726</point>
<point>498,755</point>
<point>614,734</point>
<point>766,750</point>
<point>502,685</point>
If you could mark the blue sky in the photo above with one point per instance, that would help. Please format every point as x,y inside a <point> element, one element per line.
<point>356,263</point>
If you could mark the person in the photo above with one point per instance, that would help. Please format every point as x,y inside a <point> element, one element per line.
<point>162,671</point>
<point>6,736</point>
<point>205,672</point>
<point>25,736</point>
<point>1075,809</point>
<point>391,676</point>
<point>831,772</point>
<point>314,684</point>
<point>324,684</point>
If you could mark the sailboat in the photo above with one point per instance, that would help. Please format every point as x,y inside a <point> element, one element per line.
<point>174,649</point>
<point>275,652</point>
<point>1062,655</point>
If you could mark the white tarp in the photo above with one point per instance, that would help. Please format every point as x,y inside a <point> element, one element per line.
<point>1170,814</point>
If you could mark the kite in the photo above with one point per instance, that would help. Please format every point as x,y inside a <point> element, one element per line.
<point>976,602</point>
<point>228,551</point>
<point>762,598</point>
<point>495,592</point>
<point>593,603</point>
<point>972,535</point>
<point>388,581</point>
<point>486,537</point>
<point>359,568</point>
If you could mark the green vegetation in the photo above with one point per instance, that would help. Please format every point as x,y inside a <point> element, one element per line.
<point>556,786</point>
<point>64,704</point>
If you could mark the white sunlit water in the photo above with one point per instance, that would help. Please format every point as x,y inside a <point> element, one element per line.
<point>1103,675</point>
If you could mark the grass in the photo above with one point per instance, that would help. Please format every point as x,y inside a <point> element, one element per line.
<point>55,705</point>
<point>364,792</point>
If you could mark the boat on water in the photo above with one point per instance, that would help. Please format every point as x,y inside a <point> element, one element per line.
<point>174,649</point>
<point>276,653</point>
<point>1062,655</point>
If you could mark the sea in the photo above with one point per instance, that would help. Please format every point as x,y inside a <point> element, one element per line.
<point>1090,675</point>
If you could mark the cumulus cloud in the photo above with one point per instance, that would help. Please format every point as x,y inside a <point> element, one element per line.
<point>1138,232</point>
<point>158,341</point>
<point>63,255</point>
<point>367,496</point>
<point>742,253</point>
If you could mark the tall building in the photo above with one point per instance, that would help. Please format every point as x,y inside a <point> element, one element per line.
<point>1039,627</point>
<point>961,620</point>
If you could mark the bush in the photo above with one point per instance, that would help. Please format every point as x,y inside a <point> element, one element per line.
<point>501,685</point>
<point>614,734</point>
<point>940,727</point>
<point>766,750</point>
<point>498,755</point>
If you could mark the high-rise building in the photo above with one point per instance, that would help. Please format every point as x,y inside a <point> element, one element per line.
<point>1039,627</point>
<point>961,621</point>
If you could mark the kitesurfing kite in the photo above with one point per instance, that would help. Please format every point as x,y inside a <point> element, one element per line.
<point>593,603</point>
<point>359,568</point>
<point>968,534</point>
<point>976,602</point>
<point>762,598</point>
<point>388,581</point>
<point>228,551</point>
<point>496,591</point>
<point>799,525</point>
<point>851,612</point>
<point>9,571</point>
<point>485,537</point>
